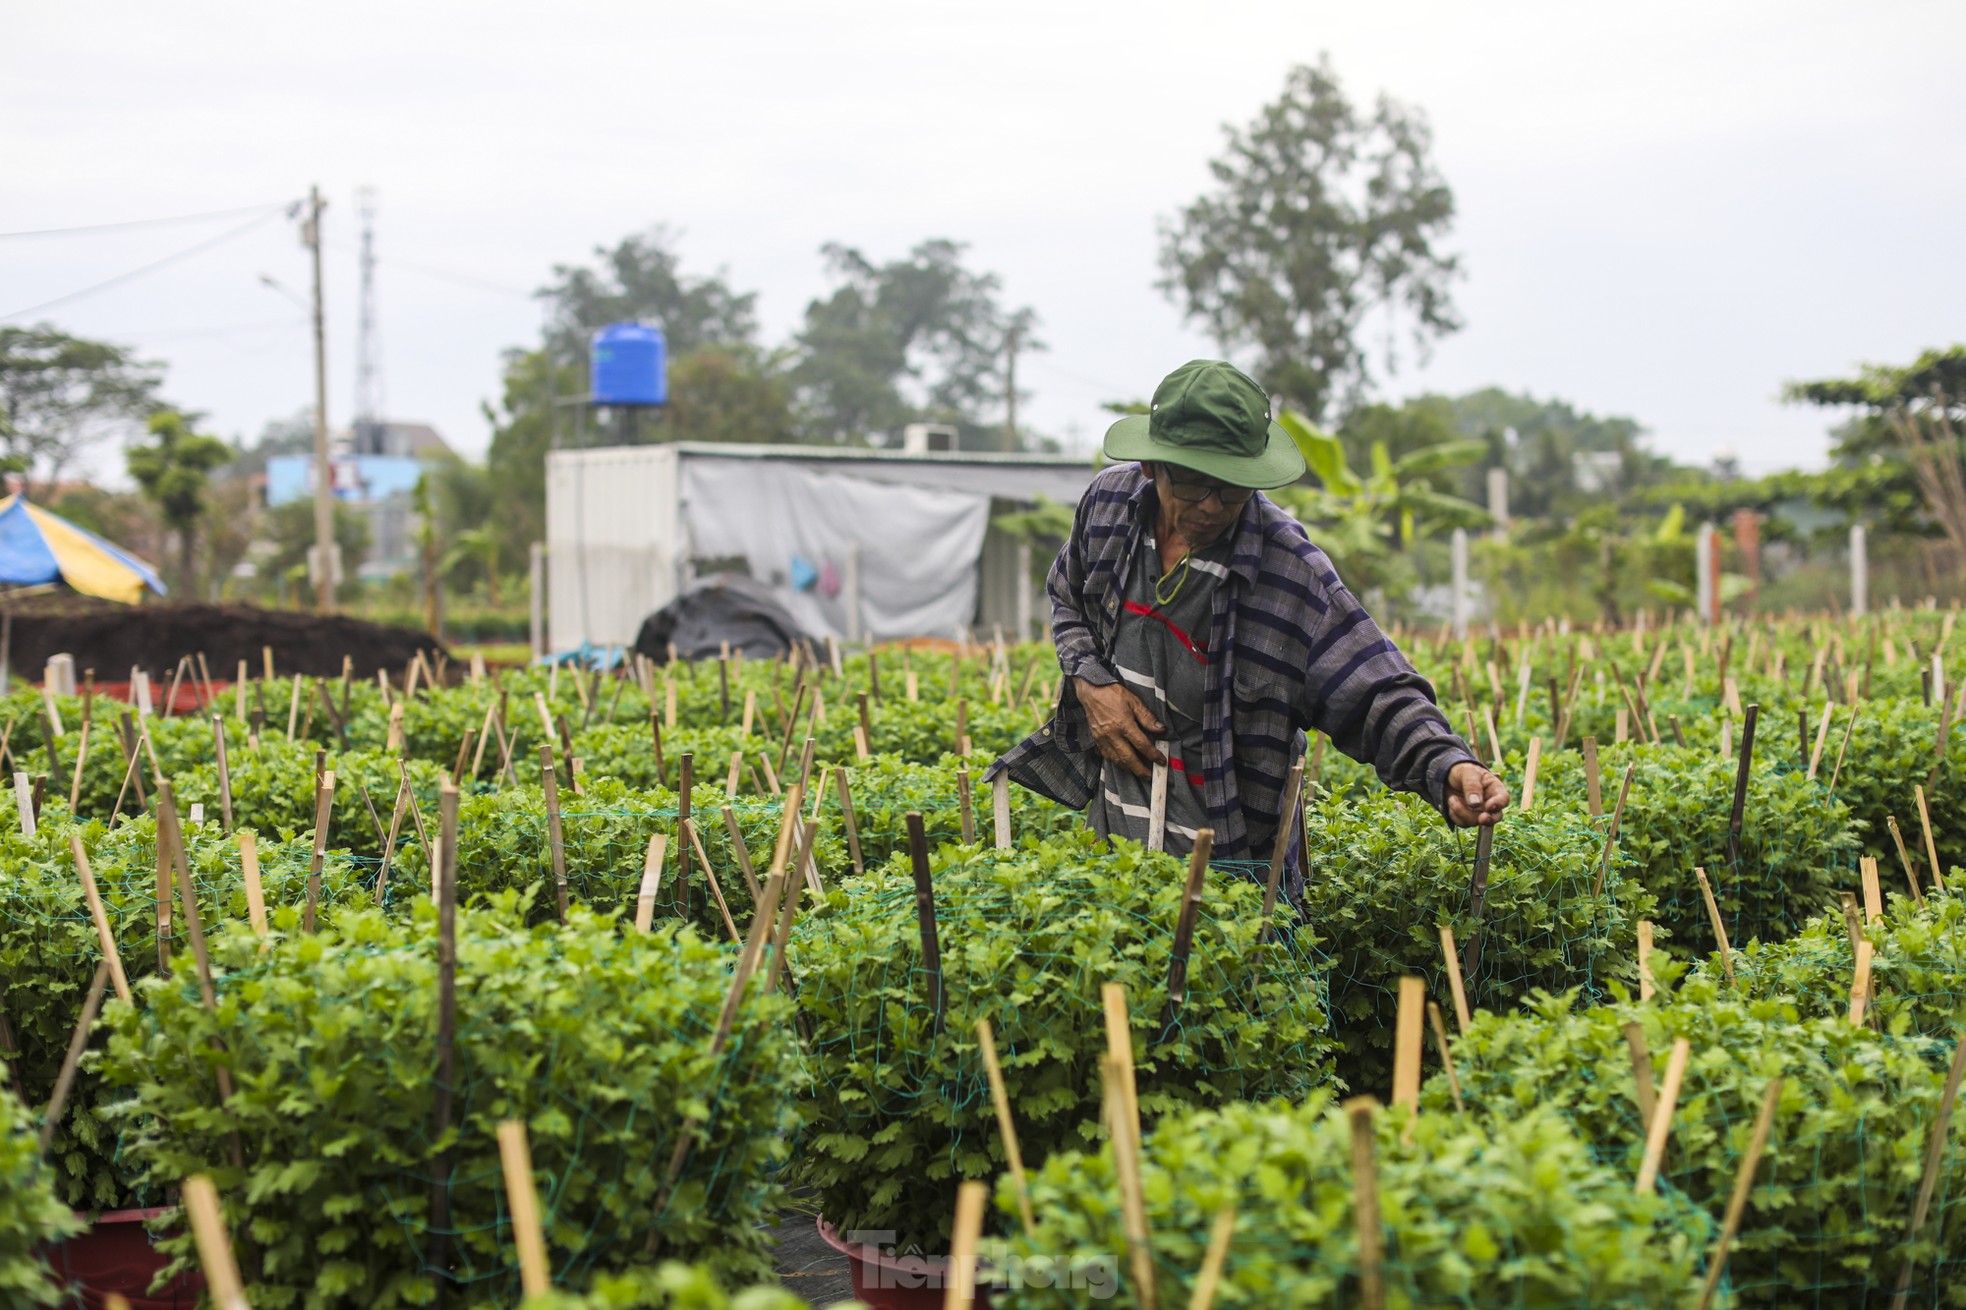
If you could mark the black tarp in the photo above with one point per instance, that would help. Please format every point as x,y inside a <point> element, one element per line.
<point>724,607</point>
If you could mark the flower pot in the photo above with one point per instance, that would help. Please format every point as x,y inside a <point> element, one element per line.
<point>896,1282</point>
<point>118,1254</point>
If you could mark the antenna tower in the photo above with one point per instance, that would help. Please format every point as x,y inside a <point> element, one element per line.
<point>368,341</point>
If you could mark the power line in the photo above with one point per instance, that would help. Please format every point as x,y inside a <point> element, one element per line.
<point>441,274</point>
<point>141,222</point>
<point>152,267</point>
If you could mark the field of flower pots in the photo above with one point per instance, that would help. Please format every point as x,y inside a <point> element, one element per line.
<point>447,987</point>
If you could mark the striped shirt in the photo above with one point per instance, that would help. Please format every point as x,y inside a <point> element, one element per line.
<point>1290,649</point>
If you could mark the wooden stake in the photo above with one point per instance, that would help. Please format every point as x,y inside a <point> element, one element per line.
<point>742,854</point>
<point>323,815</point>
<point>1611,833</point>
<point>1446,1056</point>
<point>1848,729</point>
<point>1925,825</point>
<point>81,759</point>
<point>651,881</point>
<point>522,1200</point>
<point>1365,1203</point>
<point>959,1286</point>
<point>1591,788</point>
<point>1719,928</point>
<point>925,913</point>
<point>549,780</point>
<point>1741,786</point>
<point>255,893</point>
<point>1822,739</point>
<point>1454,983</point>
<point>965,805</point>
<point>214,1246</point>
<point>1660,1124</point>
<point>1646,986</point>
<point>710,875</point>
<point>1157,801</point>
<point>1860,983</point>
<point>1287,818</point>
<point>1904,857</point>
<point>1529,773</point>
<point>1209,1277</point>
<point>999,811</point>
<point>1407,1037</point>
<point>1184,928</point>
<point>1935,1147</point>
<point>1737,1204</point>
<point>987,1043</point>
<point>1873,890</point>
<point>99,914</point>
<point>78,1042</point>
<point>1642,1089</point>
<point>1123,1125</point>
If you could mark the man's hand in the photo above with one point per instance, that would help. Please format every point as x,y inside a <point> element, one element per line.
<point>1474,795</point>
<point>1122,728</point>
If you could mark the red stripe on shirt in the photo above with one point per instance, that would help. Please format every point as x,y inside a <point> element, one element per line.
<point>1148,611</point>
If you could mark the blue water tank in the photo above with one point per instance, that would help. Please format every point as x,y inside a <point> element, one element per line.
<point>630,365</point>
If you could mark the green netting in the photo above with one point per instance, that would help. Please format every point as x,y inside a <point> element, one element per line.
<point>900,1107</point>
<point>598,1040</point>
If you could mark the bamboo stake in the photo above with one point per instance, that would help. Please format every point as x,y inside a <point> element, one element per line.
<point>742,854</point>
<point>651,881</point>
<point>1873,890</point>
<point>1719,928</point>
<point>81,759</point>
<point>550,781</point>
<point>1642,1089</point>
<point>710,875</point>
<point>1446,1056</point>
<point>1660,1125</point>
<point>959,1286</point>
<point>255,893</point>
<point>1157,801</point>
<point>1407,1038</point>
<point>78,1041</point>
<point>1454,984</point>
<point>1287,818</point>
<point>522,1201</point>
<point>1210,1275</point>
<point>1611,834</point>
<point>999,811</point>
<point>925,912</point>
<point>1646,986</point>
<point>1935,1146</point>
<point>1860,983</point>
<point>1529,773</point>
<point>323,815</point>
<point>965,805</point>
<point>1592,791</point>
<point>1737,1203</point>
<point>1925,824</point>
<point>1849,728</point>
<point>1122,1121</point>
<point>1365,1198</point>
<point>1822,739</point>
<point>987,1043</point>
<point>214,1246</point>
<point>1184,928</point>
<point>1904,857</point>
<point>99,914</point>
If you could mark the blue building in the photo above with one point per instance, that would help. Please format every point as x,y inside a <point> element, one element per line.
<point>375,473</point>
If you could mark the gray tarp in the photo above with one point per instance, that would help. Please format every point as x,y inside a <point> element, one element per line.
<point>802,529</point>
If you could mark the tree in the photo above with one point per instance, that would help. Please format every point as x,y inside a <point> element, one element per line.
<point>1321,217</point>
<point>1917,412</point>
<point>175,472</point>
<point>60,394</point>
<point>919,338</point>
<point>290,528</point>
<point>642,278</point>
<point>520,439</point>
<point>1560,459</point>
<point>727,395</point>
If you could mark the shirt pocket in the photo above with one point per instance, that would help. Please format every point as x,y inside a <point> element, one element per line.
<point>1259,690</point>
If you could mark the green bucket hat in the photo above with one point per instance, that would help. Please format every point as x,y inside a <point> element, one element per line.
<point>1211,417</point>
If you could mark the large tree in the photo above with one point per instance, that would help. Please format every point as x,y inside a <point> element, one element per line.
<point>1321,216</point>
<point>61,394</point>
<point>642,279</point>
<point>175,471</point>
<point>917,338</point>
<point>1911,415</point>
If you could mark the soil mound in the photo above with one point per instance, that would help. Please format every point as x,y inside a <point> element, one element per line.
<point>112,639</point>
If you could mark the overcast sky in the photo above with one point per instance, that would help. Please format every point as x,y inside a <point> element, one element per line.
<point>1666,209</point>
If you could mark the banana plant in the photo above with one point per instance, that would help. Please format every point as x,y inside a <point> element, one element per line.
<point>1397,491</point>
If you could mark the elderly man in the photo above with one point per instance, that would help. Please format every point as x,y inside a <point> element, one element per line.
<point>1188,609</point>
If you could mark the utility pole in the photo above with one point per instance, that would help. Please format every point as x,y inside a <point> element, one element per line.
<point>1010,384</point>
<point>323,473</point>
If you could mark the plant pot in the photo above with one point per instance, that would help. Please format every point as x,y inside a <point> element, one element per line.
<point>117,1254</point>
<point>896,1282</point>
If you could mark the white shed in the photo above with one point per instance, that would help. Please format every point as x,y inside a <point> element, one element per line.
<point>858,543</point>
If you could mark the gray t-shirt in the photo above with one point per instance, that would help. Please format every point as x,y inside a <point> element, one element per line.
<point>1160,652</point>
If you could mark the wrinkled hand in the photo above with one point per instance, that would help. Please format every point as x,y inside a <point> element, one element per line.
<point>1122,728</point>
<point>1474,796</point>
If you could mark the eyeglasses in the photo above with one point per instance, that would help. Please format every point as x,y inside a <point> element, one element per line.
<point>1194,493</point>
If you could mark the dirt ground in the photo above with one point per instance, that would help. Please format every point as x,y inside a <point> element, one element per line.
<point>112,638</point>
